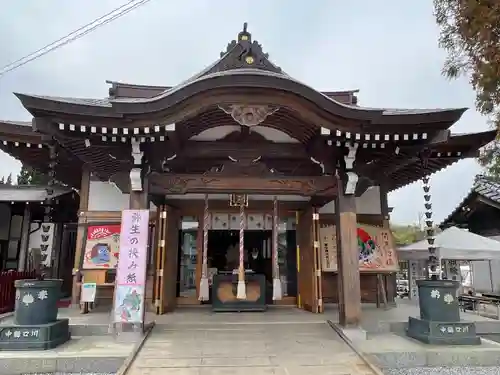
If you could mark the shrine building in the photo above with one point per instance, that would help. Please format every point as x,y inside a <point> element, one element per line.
<point>245,170</point>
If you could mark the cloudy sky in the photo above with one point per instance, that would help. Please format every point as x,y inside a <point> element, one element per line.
<point>386,48</point>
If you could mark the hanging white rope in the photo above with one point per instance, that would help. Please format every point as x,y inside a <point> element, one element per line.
<point>204,288</point>
<point>277,293</point>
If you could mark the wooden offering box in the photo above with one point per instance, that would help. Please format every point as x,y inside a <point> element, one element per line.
<point>224,293</point>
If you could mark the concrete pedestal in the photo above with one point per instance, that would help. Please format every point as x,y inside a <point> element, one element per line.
<point>439,322</point>
<point>34,337</point>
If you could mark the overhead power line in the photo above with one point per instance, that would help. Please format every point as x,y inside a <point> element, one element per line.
<point>74,35</point>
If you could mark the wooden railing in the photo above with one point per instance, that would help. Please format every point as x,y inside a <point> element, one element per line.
<point>7,290</point>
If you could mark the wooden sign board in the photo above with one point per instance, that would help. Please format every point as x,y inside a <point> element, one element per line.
<point>328,243</point>
<point>375,248</point>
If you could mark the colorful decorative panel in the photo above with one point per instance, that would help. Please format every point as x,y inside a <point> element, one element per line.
<point>102,247</point>
<point>375,248</point>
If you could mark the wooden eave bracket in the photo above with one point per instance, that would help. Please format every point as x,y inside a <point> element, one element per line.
<point>352,177</point>
<point>136,171</point>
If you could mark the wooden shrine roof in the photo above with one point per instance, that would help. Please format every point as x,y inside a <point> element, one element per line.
<point>169,121</point>
<point>30,193</point>
<point>242,74</point>
<point>108,158</point>
<point>128,90</point>
<point>20,141</point>
<point>484,191</point>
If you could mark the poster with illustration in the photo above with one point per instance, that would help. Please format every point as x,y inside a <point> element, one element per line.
<point>102,247</point>
<point>375,249</point>
<point>129,303</point>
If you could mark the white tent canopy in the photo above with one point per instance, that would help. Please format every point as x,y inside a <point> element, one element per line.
<point>454,243</point>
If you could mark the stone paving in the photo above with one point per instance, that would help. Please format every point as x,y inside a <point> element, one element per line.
<point>374,320</point>
<point>80,354</point>
<point>281,340</point>
<point>251,348</point>
<point>398,351</point>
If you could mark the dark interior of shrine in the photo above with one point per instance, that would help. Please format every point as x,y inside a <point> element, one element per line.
<point>257,248</point>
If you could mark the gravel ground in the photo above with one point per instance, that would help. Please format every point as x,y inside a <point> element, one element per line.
<point>466,370</point>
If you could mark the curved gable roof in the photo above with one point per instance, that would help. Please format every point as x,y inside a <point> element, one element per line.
<point>244,66</point>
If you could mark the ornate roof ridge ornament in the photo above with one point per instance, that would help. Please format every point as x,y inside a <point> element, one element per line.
<point>249,114</point>
<point>245,53</point>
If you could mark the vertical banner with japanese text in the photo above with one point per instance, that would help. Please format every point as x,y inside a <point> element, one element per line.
<point>130,284</point>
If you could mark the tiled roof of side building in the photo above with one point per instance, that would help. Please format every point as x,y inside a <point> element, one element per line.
<point>487,187</point>
<point>484,186</point>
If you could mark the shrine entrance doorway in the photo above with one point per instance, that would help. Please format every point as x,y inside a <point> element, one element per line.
<point>181,243</point>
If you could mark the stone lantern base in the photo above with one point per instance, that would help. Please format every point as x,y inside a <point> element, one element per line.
<point>35,326</point>
<point>439,322</point>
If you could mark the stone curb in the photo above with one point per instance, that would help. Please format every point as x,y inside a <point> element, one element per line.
<point>135,351</point>
<point>17,366</point>
<point>486,357</point>
<point>366,359</point>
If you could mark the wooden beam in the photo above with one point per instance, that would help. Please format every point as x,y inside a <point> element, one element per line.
<point>195,207</point>
<point>348,261</point>
<point>223,149</point>
<point>215,183</point>
<point>384,205</point>
<point>139,200</point>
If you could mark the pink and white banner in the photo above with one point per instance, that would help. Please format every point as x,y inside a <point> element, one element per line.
<point>130,283</point>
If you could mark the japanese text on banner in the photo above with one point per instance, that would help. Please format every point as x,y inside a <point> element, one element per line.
<point>133,248</point>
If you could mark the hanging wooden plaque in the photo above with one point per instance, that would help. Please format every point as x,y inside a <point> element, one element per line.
<point>328,240</point>
<point>237,200</point>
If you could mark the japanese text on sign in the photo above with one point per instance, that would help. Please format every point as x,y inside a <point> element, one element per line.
<point>454,329</point>
<point>133,247</point>
<point>17,334</point>
<point>131,272</point>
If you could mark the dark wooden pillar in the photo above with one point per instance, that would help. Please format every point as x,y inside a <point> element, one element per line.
<point>80,234</point>
<point>25,237</point>
<point>384,206</point>
<point>139,199</point>
<point>348,260</point>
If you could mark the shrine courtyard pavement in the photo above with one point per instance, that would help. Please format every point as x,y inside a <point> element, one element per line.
<point>280,341</point>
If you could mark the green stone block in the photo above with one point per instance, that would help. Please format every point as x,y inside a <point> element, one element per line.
<point>439,322</point>
<point>34,337</point>
<point>443,333</point>
<point>438,301</point>
<point>36,301</point>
